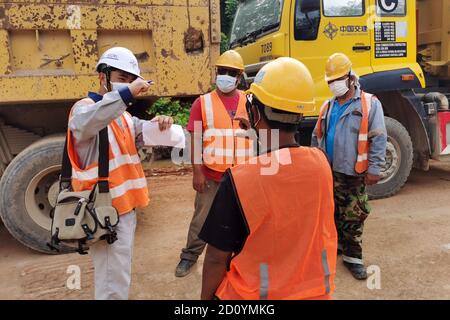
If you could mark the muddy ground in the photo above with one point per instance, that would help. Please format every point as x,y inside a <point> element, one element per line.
<point>407,237</point>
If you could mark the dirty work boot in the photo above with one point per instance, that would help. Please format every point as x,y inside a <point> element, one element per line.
<point>358,271</point>
<point>184,267</point>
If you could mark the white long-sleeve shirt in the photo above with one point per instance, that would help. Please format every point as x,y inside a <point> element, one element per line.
<point>89,116</point>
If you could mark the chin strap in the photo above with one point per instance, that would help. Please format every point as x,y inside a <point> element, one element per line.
<point>108,80</point>
<point>253,124</point>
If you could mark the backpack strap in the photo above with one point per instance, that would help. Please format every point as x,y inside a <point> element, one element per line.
<point>103,164</point>
<point>103,161</point>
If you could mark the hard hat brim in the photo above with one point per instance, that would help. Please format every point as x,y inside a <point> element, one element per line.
<point>275,102</point>
<point>226,65</point>
<point>336,76</point>
<point>128,71</point>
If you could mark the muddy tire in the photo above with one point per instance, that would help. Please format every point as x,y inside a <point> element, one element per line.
<point>27,189</point>
<point>399,161</point>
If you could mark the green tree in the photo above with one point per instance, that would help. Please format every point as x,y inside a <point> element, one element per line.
<point>224,41</point>
<point>227,11</point>
<point>178,110</point>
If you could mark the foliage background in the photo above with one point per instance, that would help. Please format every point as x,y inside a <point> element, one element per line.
<point>227,12</point>
<point>177,109</point>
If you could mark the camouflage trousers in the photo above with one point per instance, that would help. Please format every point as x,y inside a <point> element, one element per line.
<point>351,210</point>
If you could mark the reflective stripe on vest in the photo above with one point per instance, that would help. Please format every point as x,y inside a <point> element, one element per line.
<point>290,252</point>
<point>326,270</point>
<point>362,163</point>
<point>128,185</point>
<point>264,281</point>
<point>221,148</point>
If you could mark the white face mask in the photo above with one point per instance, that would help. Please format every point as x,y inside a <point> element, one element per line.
<point>116,86</point>
<point>339,88</point>
<point>226,83</point>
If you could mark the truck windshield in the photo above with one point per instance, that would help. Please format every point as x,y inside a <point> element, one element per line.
<point>254,17</point>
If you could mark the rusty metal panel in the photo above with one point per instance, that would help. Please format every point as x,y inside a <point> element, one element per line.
<point>175,67</point>
<point>214,9</point>
<point>121,18</point>
<point>46,51</point>
<point>30,16</point>
<point>74,16</point>
<point>85,50</point>
<point>49,49</point>
<point>23,89</point>
<point>5,63</point>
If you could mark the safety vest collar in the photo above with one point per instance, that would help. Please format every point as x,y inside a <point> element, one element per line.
<point>221,147</point>
<point>353,106</point>
<point>213,104</point>
<point>95,96</point>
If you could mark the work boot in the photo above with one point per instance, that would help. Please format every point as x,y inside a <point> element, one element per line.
<point>184,267</point>
<point>358,271</point>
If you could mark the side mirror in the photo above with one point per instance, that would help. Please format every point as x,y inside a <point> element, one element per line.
<point>309,5</point>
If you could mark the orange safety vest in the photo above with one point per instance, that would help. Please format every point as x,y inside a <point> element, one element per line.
<point>291,250</point>
<point>222,149</point>
<point>127,182</point>
<point>362,162</point>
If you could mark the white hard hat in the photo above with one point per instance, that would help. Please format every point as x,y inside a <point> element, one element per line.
<point>120,58</point>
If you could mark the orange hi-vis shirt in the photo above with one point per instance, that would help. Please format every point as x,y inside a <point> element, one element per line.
<point>291,249</point>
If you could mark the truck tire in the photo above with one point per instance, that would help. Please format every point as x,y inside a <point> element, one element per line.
<point>28,190</point>
<point>399,161</point>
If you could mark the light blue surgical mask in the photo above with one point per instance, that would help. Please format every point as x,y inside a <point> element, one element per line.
<point>226,83</point>
<point>116,86</point>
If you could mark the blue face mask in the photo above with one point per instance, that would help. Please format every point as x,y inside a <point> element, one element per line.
<point>226,83</point>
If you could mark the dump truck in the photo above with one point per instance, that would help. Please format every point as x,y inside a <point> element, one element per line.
<point>399,48</point>
<point>48,53</point>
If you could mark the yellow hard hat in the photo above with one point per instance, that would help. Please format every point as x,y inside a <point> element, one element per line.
<point>285,84</point>
<point>338,65</point>
<point>230,59</point>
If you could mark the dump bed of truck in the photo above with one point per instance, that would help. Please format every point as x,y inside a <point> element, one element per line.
<point>48,54</point>
<point>433,36</point>
<point>49,49</point>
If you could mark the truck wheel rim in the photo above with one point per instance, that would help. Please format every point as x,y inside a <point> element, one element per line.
<point>40,195</point>
<point>393,160</point>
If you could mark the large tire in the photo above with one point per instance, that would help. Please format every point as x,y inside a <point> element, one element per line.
<point>399,161</point>
<point>24,192</point>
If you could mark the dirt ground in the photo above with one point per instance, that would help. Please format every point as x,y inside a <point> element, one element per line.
<point>407,237</point>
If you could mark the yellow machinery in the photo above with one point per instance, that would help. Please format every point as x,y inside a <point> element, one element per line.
<point>48,52</point>
<point>399,48</point>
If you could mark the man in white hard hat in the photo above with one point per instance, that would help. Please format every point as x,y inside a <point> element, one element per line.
<point>120,83</point>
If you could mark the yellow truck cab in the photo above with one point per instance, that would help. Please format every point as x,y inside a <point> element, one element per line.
<point>399,48</point>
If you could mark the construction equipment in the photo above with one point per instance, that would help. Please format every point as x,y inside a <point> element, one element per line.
<point>48,54</point>
<point>399,48</point>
